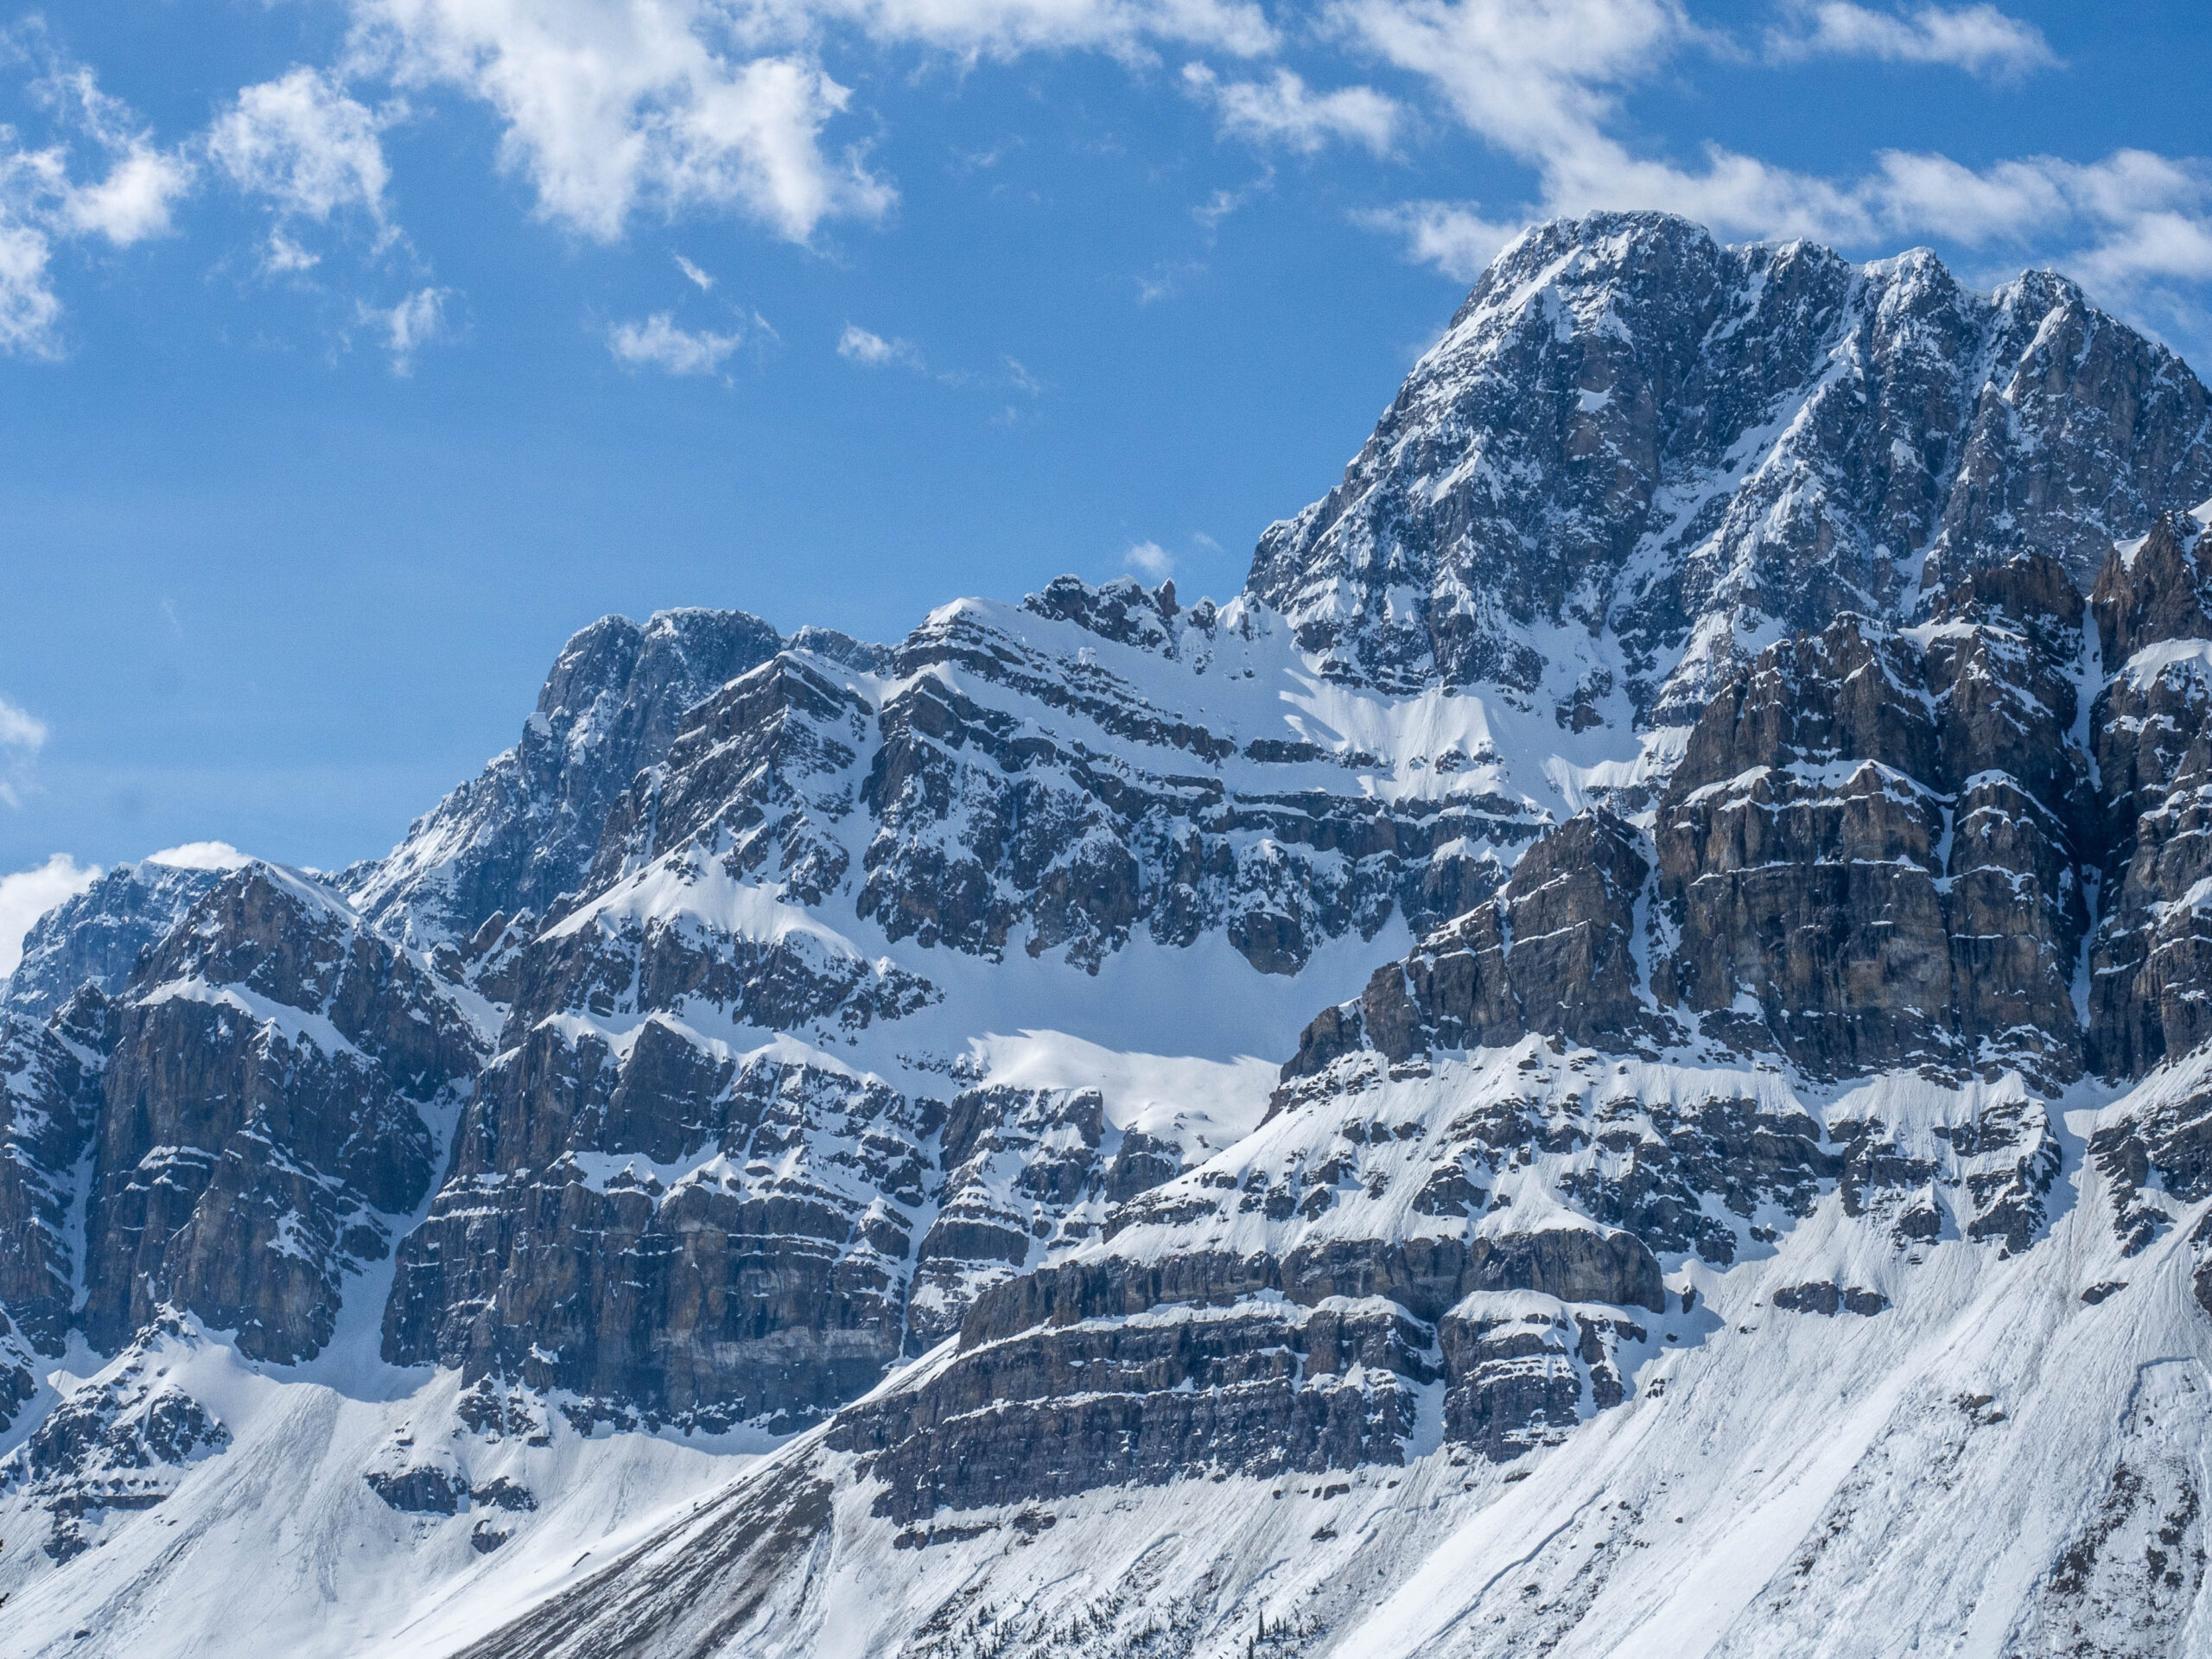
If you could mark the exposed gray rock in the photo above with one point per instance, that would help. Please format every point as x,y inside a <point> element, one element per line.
<point>523,832</point>
<point>121,1443</point>
<point>262,1115</point>
<point>97,935</point>
<point>50,1092</point>
<point>1571,452</point>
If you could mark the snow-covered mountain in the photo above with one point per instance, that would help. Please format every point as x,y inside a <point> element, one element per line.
<point>1612,1058</point>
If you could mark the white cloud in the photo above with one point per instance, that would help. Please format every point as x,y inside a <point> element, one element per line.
<point>703,281</point>
<point>200,855</point>
<point>610,106</point>
<point>29,894</point>
<point>1283,111</point>
<point>302,142</point>
<point>283,257</point>
<point>857,344</point>
<point>42,202</point>
<point>1451,236</point>
<point>21,729</point>
<point>1151,561</point>
<point>22,734</point>
<point>1541,80</point>
<point>1007,28</point>
<point>29,308</point>
<point>413,323</point>
<point>132,203</point>
<point>658,343</point>
<point>1979,39</point>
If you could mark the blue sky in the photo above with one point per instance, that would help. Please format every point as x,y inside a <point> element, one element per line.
<point>354,353</point>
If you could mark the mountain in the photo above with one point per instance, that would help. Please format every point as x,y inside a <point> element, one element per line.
<point>1611,1058</point>
<point>95,937</point>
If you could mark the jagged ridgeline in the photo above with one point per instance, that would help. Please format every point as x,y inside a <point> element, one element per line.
<point>1616,1056</point>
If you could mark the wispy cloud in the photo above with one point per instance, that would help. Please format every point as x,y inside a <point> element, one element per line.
<point>1282,110</point>
<point>1541,80</point>
<point>22,734</point>
<point>1150,560</point>
<point>46,197</point>
<point>1452,236</point>
<point>408,326</point>
<point>859,345</point>
<point>697,277</point>
<point>658,343</point>
<point>1979,39</point>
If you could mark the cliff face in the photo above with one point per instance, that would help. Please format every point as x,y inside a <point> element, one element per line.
<point>1630,429</point>
<point>1636,1001</point>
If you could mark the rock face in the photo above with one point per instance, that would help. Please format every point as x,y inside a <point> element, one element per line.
<point>2149,963</point>
<point>116,1446</point>
<point>96,937</point>
<point>1554,953</point>
<point>51,1073</point>
<point>262,1118</point>
<point>1878,838</point>
<point>523,832</point>
<point>1630,427</point>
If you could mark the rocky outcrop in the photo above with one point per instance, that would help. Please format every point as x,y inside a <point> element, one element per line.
<point>50,1092</point>
<point>96,937</point>
<point>261,1117</point>
<point>117,1445</point>
<point>1553,952</point>
<point>523,832</point>
<point>1071,786</point>
<point>2151,967</point>
<point>1280,1309</point>
<point>704,1237</point>
<point>1629,425</point>
<point>1870,854</point>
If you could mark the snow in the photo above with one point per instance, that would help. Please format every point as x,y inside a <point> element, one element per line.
<point>1223,1100</point>
<point>296,1025</point>
<point>700,892</point>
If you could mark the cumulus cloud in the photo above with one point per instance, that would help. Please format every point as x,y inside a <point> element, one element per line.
<point>857,344</point>
<point>1151,561</point>
<point>29,308</point>
<point>1284,111</point>
<point>1979,39</point>
<point>610,106</point>
<point>29,894</point>
<point>46,198</point>
<point>131,200</point>
<point>658,343</point>
<point>303,143</point>
<point>200,855</point>
<point>1007,28</point>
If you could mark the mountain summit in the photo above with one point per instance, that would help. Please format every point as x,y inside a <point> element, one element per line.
<point>1635,454</point>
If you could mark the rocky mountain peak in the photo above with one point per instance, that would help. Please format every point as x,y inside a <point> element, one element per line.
<point>96,937</point>
<point>1636,454</point>
<point>523,832</point>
